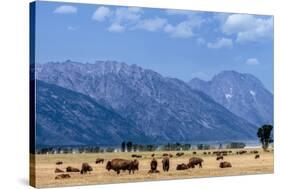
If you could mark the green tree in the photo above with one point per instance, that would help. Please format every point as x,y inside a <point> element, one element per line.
<point>129,146</point>
<point>265,136</point>
<point>123,146</point>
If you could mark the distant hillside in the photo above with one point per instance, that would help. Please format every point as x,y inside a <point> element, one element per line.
<point>242,94</point>
<point>66,117</point>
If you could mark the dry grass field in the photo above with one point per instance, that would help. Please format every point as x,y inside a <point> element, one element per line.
<point>241,165</point>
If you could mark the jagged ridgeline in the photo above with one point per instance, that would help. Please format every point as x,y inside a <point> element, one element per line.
<point>109,102</point>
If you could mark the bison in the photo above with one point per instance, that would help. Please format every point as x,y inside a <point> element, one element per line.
<point>86,168</point>
<point>195,161</point>
<point>135,165</point>
<point>152,155</point>
<point>179,154</point>
<point>99,160</point>
<point>72,169</point>
<point>59,163</point>
<point>57,170</point>
<point>219,157</point>
<point>62,176</point>
<point>136,156</point>
<point>182,166</point>
<point>225,164</point>
<point>122,164</point>
<point>166,164</point>
<point>153,166</point>
<point>257,156</point>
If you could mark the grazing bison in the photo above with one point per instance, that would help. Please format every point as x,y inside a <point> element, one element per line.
<point>57,170</point>
<point>72,169</point>
<point>165,154</point>
<point>166,164</point>
<point>86,168</point>
<point>219,157</point>
<point>179,154</point>
<point>182,166</point>
<point>59,163</point>
<point>153,166</point>
<point>122,164</point>
<point>152,155</point>
<point>257,156</point>
<point>136,156</point>
<point>62,176</point>
<point>194,153</point>
<point>225,164</point>
<point>99,160</point>
<point>195,161</point>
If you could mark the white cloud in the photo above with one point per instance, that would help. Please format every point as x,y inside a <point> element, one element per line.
<point>252,61</point>
<point>220,43</point>
<point>65,9</point>
<point>127,14</point>
<point>181,30</point>
<point>152,24</point>
<point>116,27</point>
<point>248,28</point>
<point>101,14</point>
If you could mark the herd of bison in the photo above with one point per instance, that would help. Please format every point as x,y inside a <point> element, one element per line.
<point>131,166</point>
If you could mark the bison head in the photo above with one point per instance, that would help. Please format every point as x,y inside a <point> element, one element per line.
<point>108,165</point>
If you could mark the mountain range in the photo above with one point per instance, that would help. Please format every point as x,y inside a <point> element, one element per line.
<point>242,94</point>
<point>108,102</point>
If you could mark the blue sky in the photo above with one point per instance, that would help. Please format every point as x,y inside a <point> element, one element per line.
<point>175,43</point>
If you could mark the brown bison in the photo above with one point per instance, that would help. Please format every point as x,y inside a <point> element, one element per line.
<point>219,157</point>
<point>99,160</point>
<point>153,166</point>
<point>195,161</point>
<point>72,169</point>
<point>257,156</point>
<point>152,155</point>
<point>57,170</point>
<point>136,156</point>
<point>165,154</point>
<point>182,166</point>
<point>225,164</point>
<point>165,164</point>
<point>122,164</point>
<point>179,154</point>
<point>59,163</point>
<point>86,168</point>
<point>62,176</point>
<point>194,153</point>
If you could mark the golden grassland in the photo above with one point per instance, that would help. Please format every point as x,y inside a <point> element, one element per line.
<point>44,175</point>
